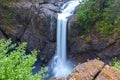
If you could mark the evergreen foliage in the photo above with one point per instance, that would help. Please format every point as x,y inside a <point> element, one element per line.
<point>106,19</point>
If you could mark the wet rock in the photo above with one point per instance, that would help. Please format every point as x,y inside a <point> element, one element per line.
<point>34,23</point>
<point>74,29</point>
<point>58,79</point>
<point>47,53</point>
<point>86,71</point>
<point>40,32</point>
<point>78,45</point>
<point>37,33</point>
<point>49,7</point>
<point>23,4</point>
<point>58,2</point>
<point>108,73</point>
<point>34,39</point>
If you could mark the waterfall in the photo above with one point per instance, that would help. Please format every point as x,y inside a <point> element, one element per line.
<point>60,66</point>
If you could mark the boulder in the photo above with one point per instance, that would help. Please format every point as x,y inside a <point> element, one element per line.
<point>93,70</point>
<point>86,71</point>
<point>108,73</point>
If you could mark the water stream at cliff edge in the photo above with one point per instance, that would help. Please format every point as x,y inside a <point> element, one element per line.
<point>59,64</point>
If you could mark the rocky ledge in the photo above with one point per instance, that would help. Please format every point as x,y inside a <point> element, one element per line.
<point>93,70</point>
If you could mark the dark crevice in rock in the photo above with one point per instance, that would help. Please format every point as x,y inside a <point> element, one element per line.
<point>98,73</point>
<point>26,26</point>
<point>4,33</point>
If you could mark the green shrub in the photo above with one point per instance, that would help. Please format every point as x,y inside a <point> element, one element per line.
<point>88,13</point>
<point>105,20</point>
<point>116,63</point>
<point>110,18</point>
<point>15,64</point>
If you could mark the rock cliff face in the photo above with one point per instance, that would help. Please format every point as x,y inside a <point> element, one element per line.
<point>35,23</point>
<point>85,45</point>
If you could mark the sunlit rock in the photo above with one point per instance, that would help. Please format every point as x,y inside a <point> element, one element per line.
<point>108,73</point>
<point>86,71</point>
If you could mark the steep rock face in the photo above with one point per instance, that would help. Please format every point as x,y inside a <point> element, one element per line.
<point>34,23</point>
<point>80,42</point>
<point>78,46</point>
<point>103,45</point>
<point>40,32</point>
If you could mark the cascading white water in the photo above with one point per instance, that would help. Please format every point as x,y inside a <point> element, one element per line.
<point>60,66</point>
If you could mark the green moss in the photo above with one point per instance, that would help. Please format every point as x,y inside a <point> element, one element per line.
<point>88,38</point>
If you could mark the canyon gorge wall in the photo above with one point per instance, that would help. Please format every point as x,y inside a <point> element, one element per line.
<point>35,23</point>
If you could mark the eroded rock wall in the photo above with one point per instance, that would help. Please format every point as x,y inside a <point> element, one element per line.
<point>91,44</point>
<point>34,23</point>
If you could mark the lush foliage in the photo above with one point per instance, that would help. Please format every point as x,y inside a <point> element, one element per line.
<point>88,14</point>
<point>116,63</point>
<point>106,18</point>
<point>110,18</point>
<point>15,64</point>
